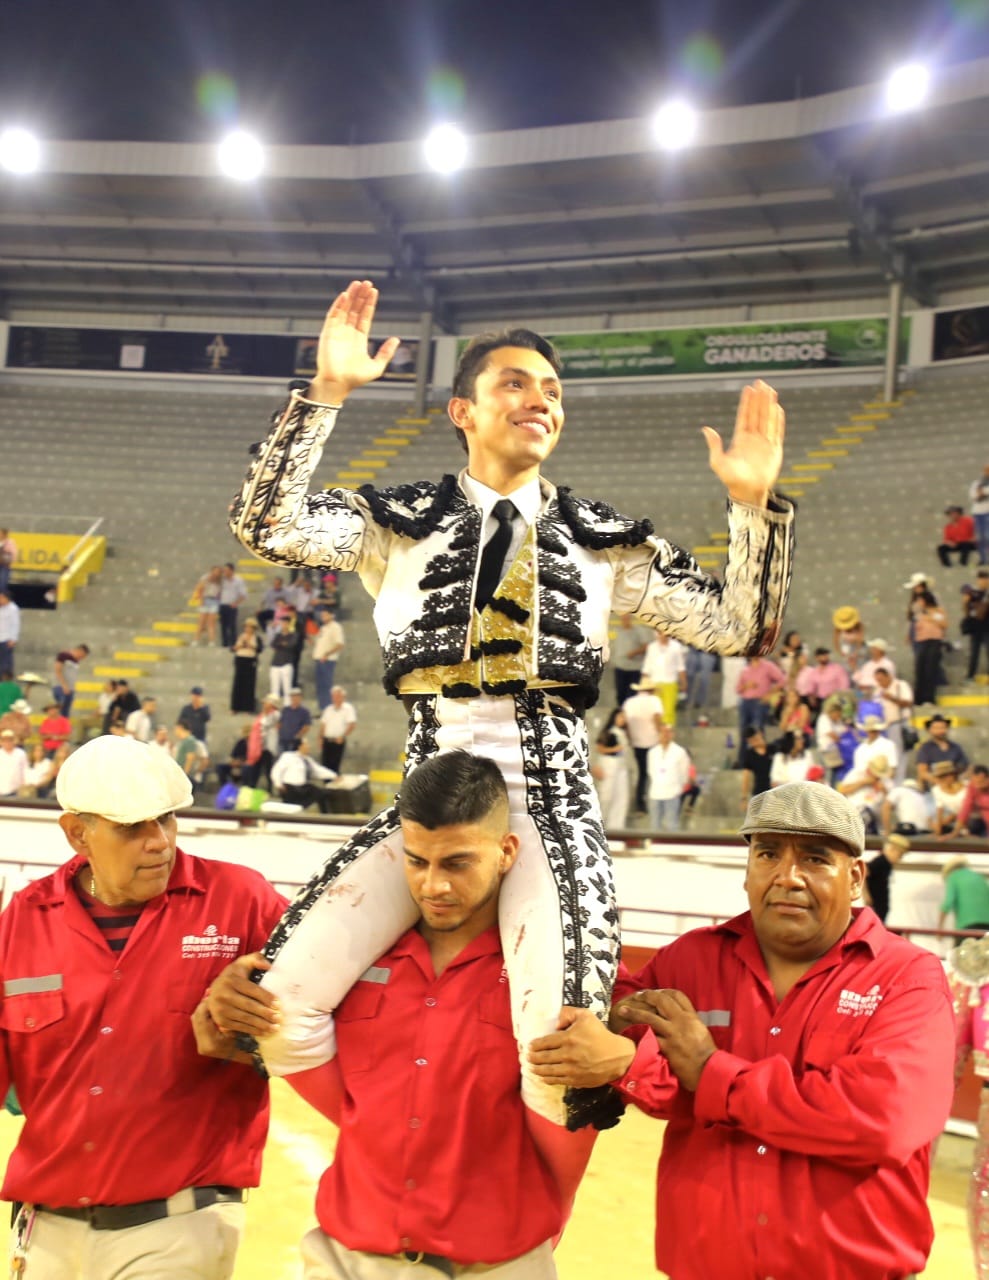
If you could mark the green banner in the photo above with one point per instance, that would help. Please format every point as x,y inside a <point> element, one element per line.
<point>750,348</point>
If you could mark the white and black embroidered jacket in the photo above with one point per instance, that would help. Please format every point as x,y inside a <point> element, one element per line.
<point>416,548</point>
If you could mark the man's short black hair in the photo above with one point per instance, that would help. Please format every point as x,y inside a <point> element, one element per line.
<point>475,355</point>
<point>452,789</point>
<point>981,769</point>
<point>751,732</point>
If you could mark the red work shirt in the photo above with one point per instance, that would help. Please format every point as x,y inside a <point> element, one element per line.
<point>975,799</point>
<point>54,730</point>
<point>960,530</point>
<point>434,1152</point>
<point>119,1105</point>
<point>806,1148</point>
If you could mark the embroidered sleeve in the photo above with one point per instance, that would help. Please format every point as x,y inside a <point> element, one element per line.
<point>663,586</point>
<point>275,516</point>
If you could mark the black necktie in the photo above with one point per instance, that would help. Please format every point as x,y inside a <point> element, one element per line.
<point>495,550</point>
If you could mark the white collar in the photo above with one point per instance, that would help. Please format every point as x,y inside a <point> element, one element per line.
<point>528,500</point>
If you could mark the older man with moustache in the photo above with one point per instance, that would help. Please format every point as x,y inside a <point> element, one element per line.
<point>803,1059</point>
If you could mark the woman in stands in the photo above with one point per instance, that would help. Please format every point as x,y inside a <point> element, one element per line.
<point>930,625</point>
<point>611,770</point>
<point>206,595</point>
<point>243,696</point>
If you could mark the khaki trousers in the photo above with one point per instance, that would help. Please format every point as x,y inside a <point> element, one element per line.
<point>326,1259</point>
<point>200,1245</point>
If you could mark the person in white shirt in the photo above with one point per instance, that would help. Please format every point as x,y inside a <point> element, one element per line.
<point>336,724</point>
<point>669,775</point>
<point>295,777</point>
<point>908,810</point>
<point>793,763</point>
<point>665,664</point>
<point>141,724</point>
<point>13,764</point>
<point>643,718</point>
<point>232,595</point>
<point>868,791</point>
<point>874,746</point>
<point>896,697</point>
<point>162,742</point>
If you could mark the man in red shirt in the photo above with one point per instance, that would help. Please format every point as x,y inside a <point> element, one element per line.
<point>973,816</point>
<point>438,1163</point>
<point>802,1057</point>
<point>55,729</point>
<point>135,1150</point>
<point>959,535</point>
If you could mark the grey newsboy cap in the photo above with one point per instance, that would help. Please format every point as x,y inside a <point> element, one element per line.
<point>806,808</point>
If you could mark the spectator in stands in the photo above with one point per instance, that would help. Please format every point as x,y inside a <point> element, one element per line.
<point>973,815</point>
<point>966,896</point>
<point>10,690</point>
<point>162,742</point>
<point>979,496</point>
<point>191,754</point>
<point>792,657</point>
<point>701,666</point>
<point>864,679</point>
<point>13,764</point>
<point>243,692</point>
<point>794,713</point>
<point>908,810</point>
<point>67,663</point>
<point>665,665</point>
<point>336,724</point>
<point>757,687</point>
<point>643,718</point>
<point>10,630</point>
<point>125,700</point>
<point>868,790</point>
<point>828,731</point>
<point>326,650</point>
<point>233,768</point>
<point>54,729</point>
<point>668,766</point>
<point>818,681</point>
<point>610,770</point>
<point>295,720</point>
<point>930,626</point>
<point>17,719</point>
<point>958,537</point>
<point>918,584</point>
<point>627,651</point>
<point>39,775</point>
<point>975,619</point>
<point>874,744</point>
<point>272,597</point>
<point>262,742</point>
<point>196,713</point>
<point>283,650</point>
<point>104,701</point>
<point>879,872</point>
<point>8,554</point>
<point>297,778</point>
<point>233,593</point>
<point>793,761</point>
<point>938,747</point>
<point>140,724</point>
<point>947,793</point>
<point>206,594</point>
<point>848,637</point>
<point>757,763</point>
<point>896,699</point>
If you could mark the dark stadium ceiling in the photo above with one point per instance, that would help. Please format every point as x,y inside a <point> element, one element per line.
<point>823,199</point>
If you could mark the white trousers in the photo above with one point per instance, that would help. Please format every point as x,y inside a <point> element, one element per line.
<point>559,924</point>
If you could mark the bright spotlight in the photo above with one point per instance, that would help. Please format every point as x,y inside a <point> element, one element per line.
<point>907,87</point>
<point>674,125</point>
<point>20,151</point>
<point>241,156</point>
<point>445,148</point>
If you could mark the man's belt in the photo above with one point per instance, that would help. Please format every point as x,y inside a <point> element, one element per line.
<point>116,1217</point>
<point>434,1260</point>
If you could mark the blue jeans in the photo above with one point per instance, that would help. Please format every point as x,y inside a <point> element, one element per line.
<point>982,537</point>
<point>324,673</point>
<point>664,815</point>
<point>64,700</point>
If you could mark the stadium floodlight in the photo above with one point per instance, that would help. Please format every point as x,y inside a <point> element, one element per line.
<point>445,148</point>
<point>241,156</point>
<point>907,87</point>
<point>674,124</point>
<point>20,151</point>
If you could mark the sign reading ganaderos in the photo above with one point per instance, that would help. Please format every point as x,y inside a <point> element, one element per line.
<point>825,344</point>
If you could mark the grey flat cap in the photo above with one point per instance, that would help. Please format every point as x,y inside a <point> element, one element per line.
<point>806,808</point>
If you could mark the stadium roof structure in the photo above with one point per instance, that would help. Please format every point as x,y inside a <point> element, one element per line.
<point>819,201</point>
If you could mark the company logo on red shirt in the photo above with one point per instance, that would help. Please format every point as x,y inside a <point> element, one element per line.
<point>210,944</point>
<point>857,1005</point>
